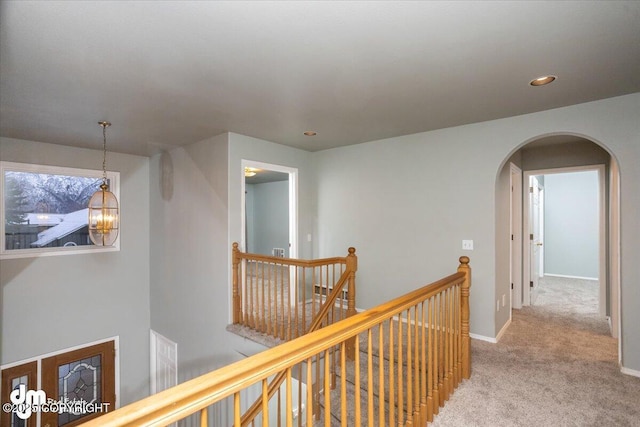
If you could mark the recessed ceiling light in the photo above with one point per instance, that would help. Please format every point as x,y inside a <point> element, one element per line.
<point>541,81</point>
<point>310,133</point>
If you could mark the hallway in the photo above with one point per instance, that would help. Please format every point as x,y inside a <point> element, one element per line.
<point>555,365</point>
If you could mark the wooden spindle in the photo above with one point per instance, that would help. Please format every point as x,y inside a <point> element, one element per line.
<point>369,379</point>
<point>409,369</point>
<point>381,394</point>
<point>237,299</point>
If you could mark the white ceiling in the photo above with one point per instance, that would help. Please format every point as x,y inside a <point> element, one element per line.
<point>170,73</point>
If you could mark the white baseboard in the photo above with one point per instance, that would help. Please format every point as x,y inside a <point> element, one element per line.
<point>483,338</point>
<point>571,277</point>
<point>631,372</point>
<point>503,330</point>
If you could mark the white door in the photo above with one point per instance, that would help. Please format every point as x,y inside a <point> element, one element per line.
<point>534,236</point>
<point>164,363</point>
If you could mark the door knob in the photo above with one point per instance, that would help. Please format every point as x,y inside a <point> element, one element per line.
<point>539,244</point>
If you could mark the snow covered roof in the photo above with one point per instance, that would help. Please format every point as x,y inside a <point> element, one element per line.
<point>68,224</point>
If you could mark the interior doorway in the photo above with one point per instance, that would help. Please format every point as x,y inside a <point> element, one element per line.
<point>533,219</point>
<point>270,214</point>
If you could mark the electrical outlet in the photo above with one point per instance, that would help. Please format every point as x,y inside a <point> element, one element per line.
<point>467,245</point>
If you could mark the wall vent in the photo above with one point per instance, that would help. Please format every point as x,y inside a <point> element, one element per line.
<point>278,252</point>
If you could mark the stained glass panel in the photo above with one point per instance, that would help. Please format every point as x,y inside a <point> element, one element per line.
<point>79,381</point>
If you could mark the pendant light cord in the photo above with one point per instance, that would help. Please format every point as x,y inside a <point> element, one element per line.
<point>104,125</point>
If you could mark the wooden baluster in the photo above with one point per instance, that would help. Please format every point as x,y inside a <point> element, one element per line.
<point>318,385</point>
<point>279,407</point>
<point>441,346</point>
<point>313,292</point>
<point>279,314</point>
<point>459,330</point>
<point>400,373</point>
<point>204,421</point>
<point>246,289</point>
<point>303,320</point>
<point>423,365</point>
<point>327,391</point>
<point>265,403</point>
<point>311,407</point>
<point>289,400</point>
<point>356,361</point>
<point>237,296</point>
<point>381,394</point>
<point>430,362</point>
<point>260,291</point>
<point>436,354</point>
<point>409,369</point>
<point>445,332</point>
<point>369,379</point>
<point>450,381</point>
<point>466,340</point>
<point>343,384</point>
<point>416,368</point>
<point>456,336</point>
<point>392,392</point>
<point>236,409</point>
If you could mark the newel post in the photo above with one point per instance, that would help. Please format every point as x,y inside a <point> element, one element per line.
<point>352,267</point>
<point>237,300</point>
<point>466,340</point>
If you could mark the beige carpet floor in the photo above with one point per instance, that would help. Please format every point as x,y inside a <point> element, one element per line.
<point>556,365</point>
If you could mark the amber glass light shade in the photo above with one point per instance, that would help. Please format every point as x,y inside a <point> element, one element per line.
<point>104,217</point>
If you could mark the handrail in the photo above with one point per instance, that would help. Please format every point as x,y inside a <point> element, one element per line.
<point>195,395</point>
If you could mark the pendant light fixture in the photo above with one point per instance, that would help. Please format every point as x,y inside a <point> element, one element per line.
<point>104,215</point>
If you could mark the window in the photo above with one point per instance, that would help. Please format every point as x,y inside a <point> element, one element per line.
<point>44,209</point>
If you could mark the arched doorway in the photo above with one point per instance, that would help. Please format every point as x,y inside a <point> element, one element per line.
<point>557,153</point>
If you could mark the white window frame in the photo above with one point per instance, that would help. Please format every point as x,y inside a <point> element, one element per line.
<point>114,187</point>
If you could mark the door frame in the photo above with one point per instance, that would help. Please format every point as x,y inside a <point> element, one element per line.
<point>293,202</point>
<point>602,243</point>
<point>515,224</point>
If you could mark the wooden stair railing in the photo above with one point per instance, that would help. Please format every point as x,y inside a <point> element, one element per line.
<point>316,324</point>
<point>422,349</point>
<point>280,297</point>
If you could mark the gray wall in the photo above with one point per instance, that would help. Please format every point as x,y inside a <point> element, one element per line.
<point>56,302</point>
<point>406,203</point>
<point>571,224</point>
<point>270,217</point>
<point>190,257</point>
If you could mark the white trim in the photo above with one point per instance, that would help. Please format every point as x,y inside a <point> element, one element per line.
<point>515,225</point>
<point>571,277</point>
<point>503,330</point>
<point>38,359</point>
<point>631,372</point>
<point>483,338</point>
